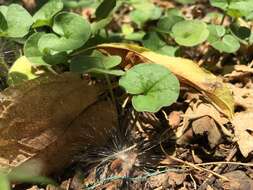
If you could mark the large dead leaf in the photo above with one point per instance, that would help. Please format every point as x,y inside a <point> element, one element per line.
<point>244,131</point>
<point>186,70</point>
<point>48,118</point>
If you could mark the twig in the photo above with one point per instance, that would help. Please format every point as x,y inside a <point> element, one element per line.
<point>218,169</point>
<point>194,166</point>
<point>231,163</point>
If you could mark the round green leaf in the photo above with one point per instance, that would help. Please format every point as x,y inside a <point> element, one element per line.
<point>101,24</point>
<point>190,32</point>
<point>45,14</point>
<point>215,32</point>
<point>239,8</point>
<point>96,63</point>
<point>222,4</point>
<point>228,44</point>
<point>18,21</point>
<point>144,11</point>
<point>73,30</point>
<point>31,49</point>
<point>152,41</point>
<point>166,23</point>
<point>36,57</point>
<point>152,86</point>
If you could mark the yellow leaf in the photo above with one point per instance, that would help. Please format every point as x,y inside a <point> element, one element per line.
<point>187,71</point>
<point>21,71</point>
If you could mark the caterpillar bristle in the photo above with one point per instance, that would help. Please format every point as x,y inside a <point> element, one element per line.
<point>126,153</point>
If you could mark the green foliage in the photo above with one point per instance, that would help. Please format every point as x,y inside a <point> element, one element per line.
<point>104,9</point>
<point>4,182</point>
<point>153,42</point>
<point>45,14</point>
<point>228,44</point>
<point>165,23</point>
<point>152,86</point>
<point>15,21</point>
<point>96,63</point>
<point>72,32</point>
<point>186,1</point>
<point>234,8</point>
<point>190,32</point>
<point>22,175</point>
<point>144,11</point>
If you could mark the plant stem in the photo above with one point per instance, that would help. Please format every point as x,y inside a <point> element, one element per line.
<point>223,18</point>
<point>108,81</point>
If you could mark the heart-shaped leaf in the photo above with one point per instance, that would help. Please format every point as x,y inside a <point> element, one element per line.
<point>45,14</point>
<point>152,86</point>
<point>36,57</point>
<point>216,91</point>
<point>190,32</point>
<point>166,23</point>
<point>144,11</point>
<point>17,21</point>
<point>228,44</point>
<point>73,30</point>
<point>215,32</point>
<point>31,49</point>
<point>222,4</point>
<point>153,41</point>
<point>96,63</point>
<point>235,8</point>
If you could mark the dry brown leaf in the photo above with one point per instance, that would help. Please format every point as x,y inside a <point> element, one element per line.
<point>239,71</point>
<point>243,124</point>
<point>44,118</point>
<point>243,97</point>
<point>238,181</point>
<point>199,108</point>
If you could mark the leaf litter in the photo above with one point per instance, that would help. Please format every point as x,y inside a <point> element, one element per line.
<point>50,135</point>
<point>192,130</point>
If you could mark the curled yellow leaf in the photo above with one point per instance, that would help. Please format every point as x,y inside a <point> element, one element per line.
<point>186,70</point>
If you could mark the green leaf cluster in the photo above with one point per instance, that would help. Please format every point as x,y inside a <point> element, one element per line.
<point>235,8</point>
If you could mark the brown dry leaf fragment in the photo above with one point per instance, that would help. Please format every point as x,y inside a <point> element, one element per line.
<point>206,125</point>
<point>42,119</point>
<point>167,180</point>
<point>243,97</point>
<point>199,108</point>
<point>174,119</point>
<point>203,118</point>
<point>243,125</point>
<point>202,126</point>
<point>238,181</point>
<point>239,71</point>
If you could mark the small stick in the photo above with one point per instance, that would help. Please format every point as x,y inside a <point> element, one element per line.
<point>218,169</point>
<point>191,165</point>
<point>231,163</point>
